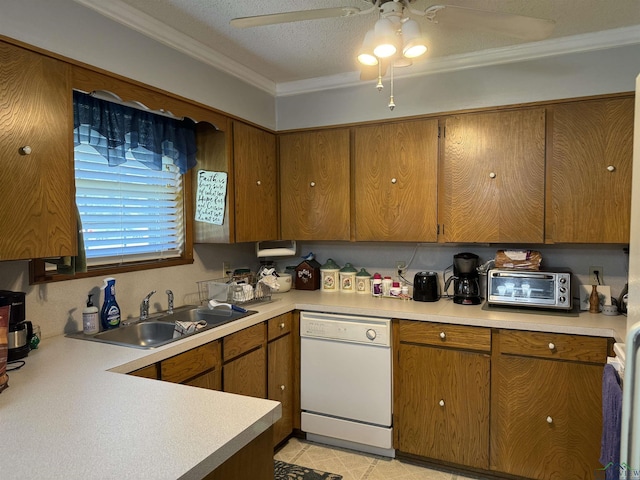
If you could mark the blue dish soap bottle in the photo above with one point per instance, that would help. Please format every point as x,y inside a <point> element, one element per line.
<point>110,313</point>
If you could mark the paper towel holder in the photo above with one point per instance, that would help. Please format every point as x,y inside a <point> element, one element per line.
<point>276,248</point>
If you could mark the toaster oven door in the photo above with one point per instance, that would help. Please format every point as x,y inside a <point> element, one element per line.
<point>527,288</point>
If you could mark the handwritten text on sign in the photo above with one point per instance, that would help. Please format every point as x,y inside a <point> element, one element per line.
<point>211,196</point>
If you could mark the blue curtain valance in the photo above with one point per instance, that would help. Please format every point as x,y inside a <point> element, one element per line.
<point>126,128</point>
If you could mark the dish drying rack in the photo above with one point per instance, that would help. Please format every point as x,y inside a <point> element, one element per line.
<point>239,290</point>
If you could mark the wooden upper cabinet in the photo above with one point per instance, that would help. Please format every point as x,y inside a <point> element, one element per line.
<point>492,177</point>
<point>589,171</point>
<point>37,188</point>
<point>256,174</point>
<point>395,182</point>
<point>314,181</point>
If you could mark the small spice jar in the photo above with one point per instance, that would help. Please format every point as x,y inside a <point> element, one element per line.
<point>363,282</point>
<point>348,278</point>
<point>329,276</point>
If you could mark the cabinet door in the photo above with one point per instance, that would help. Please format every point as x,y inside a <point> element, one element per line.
<point>280,375</point>
<point>590,171</point>
<point>37,189</point>
<point>211,380</point>
<point>492,182</point>
<point>546,418</point>
<point>247,375</point>
<point>256,195</point>
<point>395,182</point>
<point>314,175</point>
<point>442,407</point>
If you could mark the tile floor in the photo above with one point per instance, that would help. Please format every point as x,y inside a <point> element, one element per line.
<point>355,465</point>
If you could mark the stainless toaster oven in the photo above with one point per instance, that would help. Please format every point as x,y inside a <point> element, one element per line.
<point>545,289</point>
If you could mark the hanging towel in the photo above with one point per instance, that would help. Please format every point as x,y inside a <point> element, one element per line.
<point>611,422</point>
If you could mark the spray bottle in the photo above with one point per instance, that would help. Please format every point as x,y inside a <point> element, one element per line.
<point>90,318</point>
<point>110,313</point>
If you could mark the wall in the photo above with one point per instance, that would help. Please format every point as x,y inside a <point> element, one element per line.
<point>567,76</point>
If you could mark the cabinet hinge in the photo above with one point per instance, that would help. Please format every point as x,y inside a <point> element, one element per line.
<point>438,229</point>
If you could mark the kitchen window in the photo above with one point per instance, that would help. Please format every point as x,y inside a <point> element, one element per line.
<point>132,190</point>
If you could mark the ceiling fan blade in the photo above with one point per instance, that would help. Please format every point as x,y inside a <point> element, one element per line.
<point>275,18</point>
<point>519,26</point>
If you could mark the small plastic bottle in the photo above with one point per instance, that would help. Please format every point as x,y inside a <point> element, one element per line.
<point>386,286</point>
<point>376,290</point>
<point>90,318</point>
<point>110,313</point>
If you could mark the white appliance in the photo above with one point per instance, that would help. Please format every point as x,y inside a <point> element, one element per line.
<point>345,381</point>
<point>630,438</point>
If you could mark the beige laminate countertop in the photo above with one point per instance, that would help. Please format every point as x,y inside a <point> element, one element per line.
<point>70,413</point>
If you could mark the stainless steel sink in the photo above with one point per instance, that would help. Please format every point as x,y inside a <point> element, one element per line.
<point>158,329</point>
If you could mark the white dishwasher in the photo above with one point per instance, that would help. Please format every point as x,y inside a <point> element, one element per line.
<point>345,381</point>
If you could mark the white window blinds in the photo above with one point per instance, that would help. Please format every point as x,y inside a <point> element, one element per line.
<point>128,212</point>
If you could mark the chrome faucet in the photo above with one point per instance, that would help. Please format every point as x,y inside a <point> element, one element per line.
<point>170,298</point>
<point>144,306</point>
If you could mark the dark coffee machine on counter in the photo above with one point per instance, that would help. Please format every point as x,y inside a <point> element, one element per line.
<point>466,281</point>
<point>20,330</point>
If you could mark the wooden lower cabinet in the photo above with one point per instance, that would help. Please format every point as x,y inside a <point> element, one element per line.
<point>546,412</point>
<point>441,405</point>
<point>280,373</point>
<point>199,367</point>
<point>253,462</point>
<point>244,370</point>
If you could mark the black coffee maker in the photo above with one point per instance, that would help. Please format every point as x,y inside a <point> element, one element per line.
<point>466,281</point>
<point>20,330</point>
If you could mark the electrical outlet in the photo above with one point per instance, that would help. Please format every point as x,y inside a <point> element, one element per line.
<point>401,267</point>
<point>226,269</point>
<point>596,279</point>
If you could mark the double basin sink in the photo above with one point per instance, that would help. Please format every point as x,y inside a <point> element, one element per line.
<point>159,328</point>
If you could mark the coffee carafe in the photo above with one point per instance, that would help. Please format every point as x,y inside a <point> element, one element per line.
<point>20,330</point>
<point>466,281</point>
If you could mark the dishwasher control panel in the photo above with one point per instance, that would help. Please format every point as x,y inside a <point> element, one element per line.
<point>346,328</point>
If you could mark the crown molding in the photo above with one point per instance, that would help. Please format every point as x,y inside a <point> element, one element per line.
<point>149,26</point>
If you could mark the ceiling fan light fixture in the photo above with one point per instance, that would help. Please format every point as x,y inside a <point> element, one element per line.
<point>415,44</point>
<point>365,54</point>
<point>385,38</point>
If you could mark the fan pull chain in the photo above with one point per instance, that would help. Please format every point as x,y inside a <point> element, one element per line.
<point>379,86</point>
<point>392,105</point>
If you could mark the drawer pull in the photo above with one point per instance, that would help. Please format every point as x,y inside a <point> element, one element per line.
<point>549,420</point>
<point>611,168</point>
<point>258,183</point>
<point>492,175</point>
<point>552,346</point>
<point>443,335</point>
<point>281,326</point>
<point>312,184</point>
<point>394,180</point>
<point>441,403</point>
<point>282,387</point>
<point>26,150</point>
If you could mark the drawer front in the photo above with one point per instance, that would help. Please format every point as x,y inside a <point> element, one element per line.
<point>191,363</point>
<point>243,341</point>
<point>146,372</point>
<point>554,345</point>
<point>278,326</point>
<point>445,335</point>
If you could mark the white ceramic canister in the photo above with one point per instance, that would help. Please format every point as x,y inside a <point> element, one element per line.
<point>348,278</point>
<point>329,281</point>
<point>363,282</point>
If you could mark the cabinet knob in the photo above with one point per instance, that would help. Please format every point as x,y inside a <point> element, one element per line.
<point>443,335</point>
<point>312,184</point>
<point>258,183</point>
<point>549,420</point>
<point>394,180</point>
<point>281,326</point>
<point>441,403</point>
<point>611,168</point>
<point>282,387</point>
<point>26,150</point>
<point>552,346</point>
<point>492,175</point>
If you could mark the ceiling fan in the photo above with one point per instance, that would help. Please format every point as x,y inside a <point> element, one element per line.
<point>396,14</point>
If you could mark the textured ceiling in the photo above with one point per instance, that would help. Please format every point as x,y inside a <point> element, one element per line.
<point>294,52</point>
